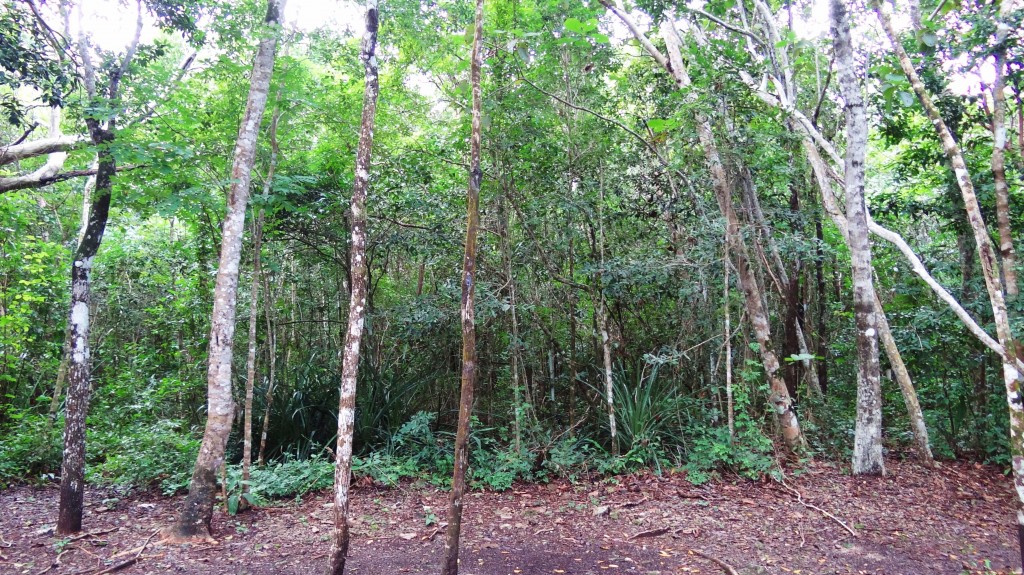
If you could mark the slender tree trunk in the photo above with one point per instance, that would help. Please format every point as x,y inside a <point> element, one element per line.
<point>450,562</point>
<point>514,359</point>
<point>357,301</point>
<point>821,336</point>
<point>72,478</point>
<point>989,265</point>
<point>728,348</point>
<point>268,398</point>
<point>257,279</point>
<point>606,343</point>
<point>250,359</point>
<point>606,355</point>
<point>867,439</point>
<point>914,413</point>
<point>197,511</point>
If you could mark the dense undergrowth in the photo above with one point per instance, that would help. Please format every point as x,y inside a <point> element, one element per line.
<point>659,432</point>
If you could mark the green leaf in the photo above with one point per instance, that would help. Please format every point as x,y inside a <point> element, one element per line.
<point>657,125</point>
<point>906,98</point>
<point>600,38</point>
<point>574,25</point>
<point>929,39</point>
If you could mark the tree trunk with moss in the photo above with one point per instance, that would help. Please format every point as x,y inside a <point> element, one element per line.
<point>450,560</point>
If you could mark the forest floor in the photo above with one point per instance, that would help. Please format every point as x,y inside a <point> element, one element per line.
<point>957,519</point>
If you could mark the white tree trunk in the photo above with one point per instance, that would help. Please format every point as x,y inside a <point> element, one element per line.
<point>197,510</point>
<point>357,299</point>
<point>867,439</point>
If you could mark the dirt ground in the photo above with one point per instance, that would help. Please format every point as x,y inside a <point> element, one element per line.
<point>958,519</point>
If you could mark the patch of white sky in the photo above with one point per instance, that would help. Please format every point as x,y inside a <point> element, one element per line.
<point>111,25</point>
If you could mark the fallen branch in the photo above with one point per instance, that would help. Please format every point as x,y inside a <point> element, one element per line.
<point>729,569</point>
<point>92,534</point>
<point>651,533</point>
<point>131,560</point>
<point>800,500</point>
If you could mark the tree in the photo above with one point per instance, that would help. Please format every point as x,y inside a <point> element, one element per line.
<point>197,510</point>
<point>867,442</point>
<point>357,298</point>
<point>102,134</point>
<point>450,560</point>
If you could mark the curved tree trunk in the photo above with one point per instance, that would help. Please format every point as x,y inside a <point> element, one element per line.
<point>197,511</point>
<point>450,561</point>
<point>357,299</point>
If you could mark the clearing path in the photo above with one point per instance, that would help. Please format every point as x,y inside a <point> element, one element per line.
<point>956,519</point>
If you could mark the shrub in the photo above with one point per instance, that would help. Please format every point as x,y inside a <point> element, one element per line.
<point>156,454</point>
<point>31,448</point>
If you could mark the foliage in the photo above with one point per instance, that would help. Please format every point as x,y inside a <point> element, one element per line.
<point>31,449</point>
<point>594,190</point>
<point>159,454</point>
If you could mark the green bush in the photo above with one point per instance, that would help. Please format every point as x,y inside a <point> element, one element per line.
<point>30,449</point>
<point>751,454</point>
<point>156,454</point>
<point>291,477</point>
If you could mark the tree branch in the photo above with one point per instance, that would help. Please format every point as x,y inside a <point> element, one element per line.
<point>37,180</point>
<point>17,151</point>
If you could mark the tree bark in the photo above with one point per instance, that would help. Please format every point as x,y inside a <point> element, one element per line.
<point>729,408</point>
<point>867,439</point>
<point>357,299</point>
<point>197,511</point>
<point>450,562</point>
<point>1002,191</point>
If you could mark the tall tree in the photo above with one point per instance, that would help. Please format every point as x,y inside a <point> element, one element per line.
<point>450,561</point>
<point>867,439</point>
<point>1012,377</point>
<point>357,299</point>
<point>197,510</point>
<point>102,133</point>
